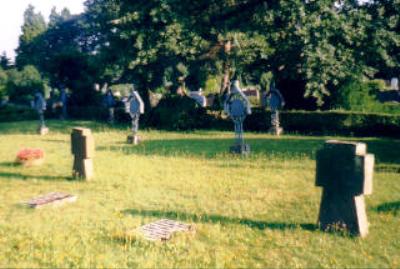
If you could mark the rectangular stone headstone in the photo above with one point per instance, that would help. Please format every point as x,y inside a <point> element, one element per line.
<point>82,143</point>
<point>82,147</point>
<point>52,198</point>
<point>163,229</point>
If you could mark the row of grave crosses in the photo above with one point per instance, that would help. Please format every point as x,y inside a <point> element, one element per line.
<point>134,106</point>
<point>344,169</point>
<point>237,106</point>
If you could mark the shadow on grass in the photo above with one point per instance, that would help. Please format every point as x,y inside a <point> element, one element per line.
<point>211,148</point>
<point>8,164</point>
<point>254,224</point>
<point>30,127</point>
<point>7,175</point>
<point>385,150</point>
<point>391,207</point>
<point>60,141</point>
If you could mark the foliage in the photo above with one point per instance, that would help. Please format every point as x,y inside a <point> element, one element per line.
<point>10,113</point>
<point>265,81</point>
<point>211,85</point>
<point>357,96</point>
<point>122,89</point>
<point>381,47</point>
<point>176,113</point>
<point>62,52</point>
<point>167,35</point>
<point>342,123</point>
<point>3,83</point>
<point>34,25</point>
<point>310,48</point>
<point>377,85</point>
<point>4,61</point>
<point>21,85</point>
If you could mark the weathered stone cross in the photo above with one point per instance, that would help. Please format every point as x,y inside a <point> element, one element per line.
<point>345,171</point>
<point>82,147</point>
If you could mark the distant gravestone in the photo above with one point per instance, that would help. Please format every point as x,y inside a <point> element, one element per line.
<point>64,102</point>
<point>53,198</point>
<point>345,171</point>
<point>276,103</point>
<point>40,107</point>
<point>198,96</point>
<point>163,229</point>
<point>394,84</point>
<point>134,106</point>
<point>82,147</point>
<point>237,106</point>
<point>109,101</point>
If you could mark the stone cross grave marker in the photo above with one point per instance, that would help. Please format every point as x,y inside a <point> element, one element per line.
<point>237,106</point>
<point>82,147</point>
<point>134,106</point>
<point>40,106</point>
<point>163,229</point>
<point>276,103</point>
<point>345,171</point>
<point>52,198</point>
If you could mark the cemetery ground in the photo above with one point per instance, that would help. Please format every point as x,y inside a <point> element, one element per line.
<point>257,211</point>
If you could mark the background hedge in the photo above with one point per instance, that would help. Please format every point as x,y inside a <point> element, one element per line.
<point>188,117</point>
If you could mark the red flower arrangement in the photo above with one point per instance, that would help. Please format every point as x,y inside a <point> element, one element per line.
<point>30,156</point>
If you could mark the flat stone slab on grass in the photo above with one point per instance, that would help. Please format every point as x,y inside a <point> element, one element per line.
<point>52,198</point>
<point>163,229</point>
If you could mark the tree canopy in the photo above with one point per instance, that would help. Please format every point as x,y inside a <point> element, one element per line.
<point>310,47</point>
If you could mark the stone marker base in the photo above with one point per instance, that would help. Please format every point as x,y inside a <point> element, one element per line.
<point>276,131</point>
<point>43,130</point>
<point>163,229</point>
<point>83,169</point>
<point>343,212</point>
<point>243,149</point>
<point>52,198</point>
<point>133,139</point>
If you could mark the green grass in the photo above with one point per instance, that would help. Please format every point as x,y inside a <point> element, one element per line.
<point>259,211</point>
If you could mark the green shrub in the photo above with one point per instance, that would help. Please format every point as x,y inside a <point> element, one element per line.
<point>88,112</point>
<point>212,85</point>
<point>181,113</point>
<point>3,83</point>
<point>177,113</point>
<point>341,123</point>
<point>22,85</point>
<point>358,96</point>
<point>123,89</point>
<point>376,85</point>
<point>390,108</point>
<point>17,113</point>
<point>265,81</point>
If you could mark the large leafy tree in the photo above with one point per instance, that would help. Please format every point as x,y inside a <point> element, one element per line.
<point>63,53</point>
<point>382,46</point>
<point>34,25</point>
<point>156,43</point>
<point>310,47</point>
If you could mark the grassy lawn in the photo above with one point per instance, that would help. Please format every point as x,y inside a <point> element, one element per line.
<point>259,211</point>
